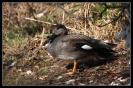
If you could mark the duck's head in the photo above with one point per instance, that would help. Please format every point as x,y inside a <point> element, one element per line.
<point>59,29</point>
<point>56,30</point>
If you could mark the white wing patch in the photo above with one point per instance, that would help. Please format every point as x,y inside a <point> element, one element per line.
<point>86,47</point>
<point>106,41</point>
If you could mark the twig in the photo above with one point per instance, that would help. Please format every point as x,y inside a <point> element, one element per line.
<point>63,16</point>
<point>42,40</point>
<point>31,19</point>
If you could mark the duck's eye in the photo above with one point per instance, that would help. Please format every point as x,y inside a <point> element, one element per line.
<point>48,36</point>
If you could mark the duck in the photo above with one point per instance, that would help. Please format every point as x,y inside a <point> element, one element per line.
<point>76,47</point>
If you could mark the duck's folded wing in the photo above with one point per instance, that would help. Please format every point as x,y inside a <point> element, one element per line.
<point>86,44</point>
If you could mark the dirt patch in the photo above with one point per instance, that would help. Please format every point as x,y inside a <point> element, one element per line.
<point>55,74</point>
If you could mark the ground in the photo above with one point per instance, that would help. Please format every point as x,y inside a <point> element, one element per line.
<point>45,70</point>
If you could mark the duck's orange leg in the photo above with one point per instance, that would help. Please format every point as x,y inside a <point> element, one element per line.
<point>74,68</point>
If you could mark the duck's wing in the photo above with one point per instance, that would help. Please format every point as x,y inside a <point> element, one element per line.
<point>82,41</point>
<point>86,44</point>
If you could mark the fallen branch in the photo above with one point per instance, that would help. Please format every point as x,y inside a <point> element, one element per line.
<point>31,19</point>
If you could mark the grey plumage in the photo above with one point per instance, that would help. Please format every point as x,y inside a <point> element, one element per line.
<point>68,47</point>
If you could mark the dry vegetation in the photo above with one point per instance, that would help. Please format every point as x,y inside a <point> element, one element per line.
<point>24,63</point>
